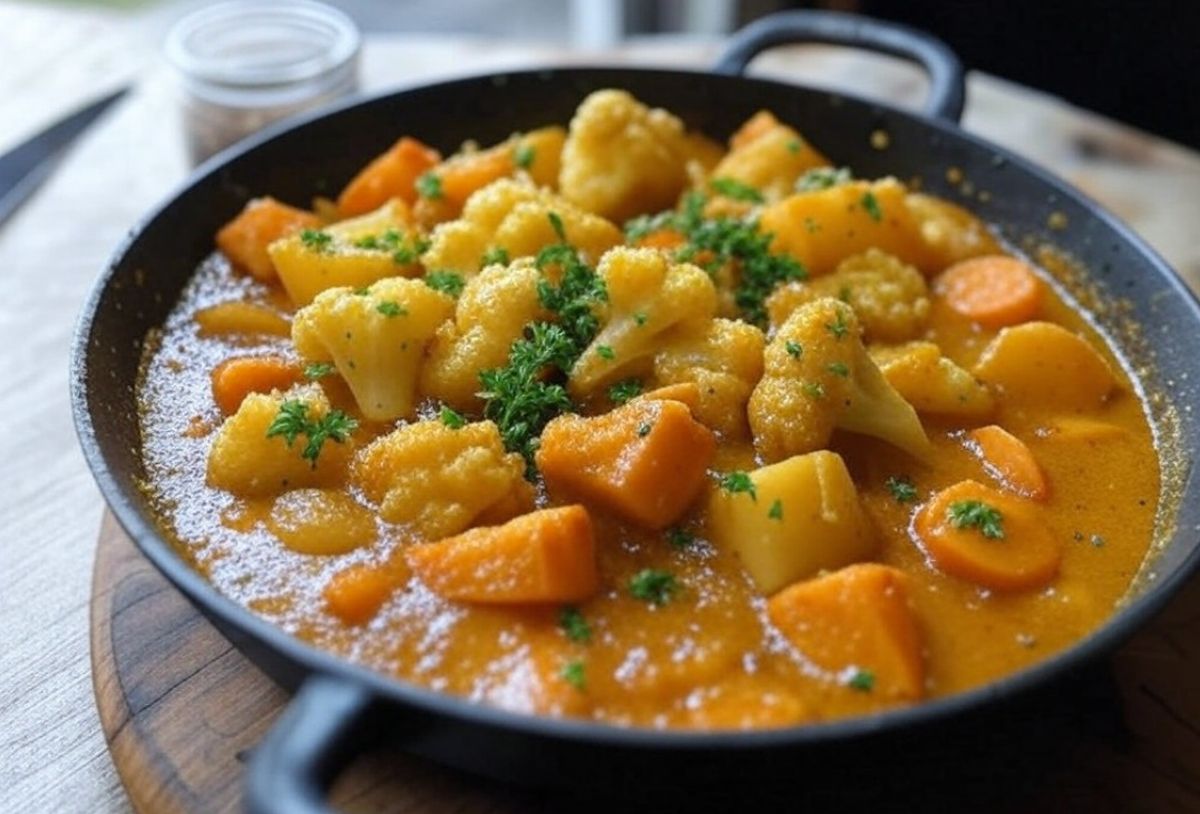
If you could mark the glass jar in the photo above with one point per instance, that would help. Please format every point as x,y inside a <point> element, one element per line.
<point>246,63</point>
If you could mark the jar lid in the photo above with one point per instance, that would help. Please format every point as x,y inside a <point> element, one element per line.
<point>260,45</point>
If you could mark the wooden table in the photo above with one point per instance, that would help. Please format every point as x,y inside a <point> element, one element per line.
<point>54,756</point>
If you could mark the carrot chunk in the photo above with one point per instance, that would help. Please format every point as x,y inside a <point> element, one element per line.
<point>753,129</point>
<point>236,378</point>
<point>994,290</point>
<point>244,239</point>
<point>391,175</point>
<point>645,461</point>
<point>543,556</point>
<point>856,623</point>
<point>988,537</point>
<point>356,594</point>
<point>465,174</point>
<point>1009,461</point>
<point>661,239</point>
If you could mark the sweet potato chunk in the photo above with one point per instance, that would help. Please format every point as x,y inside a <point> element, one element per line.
<point>244,239</point>
<point>645,461</point>
<point>858,625</point>
<point>391,175</point>
<point>543,556</point>
<point>238,377</point>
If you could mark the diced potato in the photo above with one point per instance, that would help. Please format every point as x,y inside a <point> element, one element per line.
<point>858,625</point>
<point>823,227</point>
<point>321,521</point>
<point>1043,365</point>
<point>803,516</point>
<point>248,318</point>
<point>930,382</point>
<point>543,556</point>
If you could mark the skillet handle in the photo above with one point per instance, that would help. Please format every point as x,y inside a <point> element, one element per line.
<point>947,80</point>
<point>327,725</point>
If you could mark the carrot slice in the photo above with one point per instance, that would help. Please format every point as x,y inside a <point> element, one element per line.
<point>1009,461</point>
<point>753,129</point>
<point>391,175</point>
<point>661,239</point>
<point>356,594</point>
<point>244,239</point>
<point>464,175</point>
<point>994,290</point>
<point>646,461</point>
<point>236,378</point>
<point>543,556</point>
<point>1019,556</point>
<point>858,624</point>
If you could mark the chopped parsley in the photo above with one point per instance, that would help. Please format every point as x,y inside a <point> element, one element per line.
<point>839,369</point>
<point>494,255</point>
<point>644,429</point>
<point>292,421</point>
<point>814,390</point>
<point>624,390</point>
<point>902,489</point>
<point>862,680</point>
<point>839,327</point>
<point>639,318</point>
<point>819,178</point>
<point>574,299</point>
<point>318,370</point>
<point>653,586</point>
<point>573,674</point>
<point>795,146</point>
<point>977,514</point>
<point>452,418</point>
<point>446,281</point>
<point>391,308</point>
<point>776,510</point>
<point>680,537</point>
<point>606,352</point>
<point>524,155</point>
<point>316,239</point>
<point>736,190</point>
<point>557,225</point>
<point>429,186</point>
<point>871,204</point>
<point>573,625</point>
<point>737,481</point>
<point>403,251</point>
<point>794,348</point>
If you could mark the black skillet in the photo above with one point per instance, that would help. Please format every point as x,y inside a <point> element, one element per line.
<point>340,707</point>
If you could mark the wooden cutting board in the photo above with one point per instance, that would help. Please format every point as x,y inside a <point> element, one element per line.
<point>181,710</point>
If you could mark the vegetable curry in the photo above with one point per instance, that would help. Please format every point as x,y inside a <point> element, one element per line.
<point>614,421</point>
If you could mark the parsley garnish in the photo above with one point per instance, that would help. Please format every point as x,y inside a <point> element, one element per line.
<point>576,295</point>
<point>814,390</point>
<point>494,255</point>
<point>736,190</point>
<point>639,318</point>
<point>605,352</point>
<point>794,146</point>
<point>793,348</point>
<point>839,369</point>
<point>977,514</point>
<point>776,510</point>
<point>644,429</point>
<point>523,156</point>
<point>557,225</point>
<point>316,239</point>
<point>653,586</point>
<point>576,628</point>
<point>292,422</point>
<point>318,370</point>
<point>624,390</point>
<point>452,418</point>
<point>902,489</point>
<point>819,178</point>
<point>573,674</point>
<point>680,537</point>
<point>429,186</point>
<point>862,680</point>
<point>446,281</point>
<point>735,482</point>
<point>839,327</point>
<point>871,204</point>
<point>391,308</point>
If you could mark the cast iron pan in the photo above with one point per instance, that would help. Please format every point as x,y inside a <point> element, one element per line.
<point>341,707</point>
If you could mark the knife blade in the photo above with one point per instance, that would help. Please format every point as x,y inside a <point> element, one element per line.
<point>26,166</point>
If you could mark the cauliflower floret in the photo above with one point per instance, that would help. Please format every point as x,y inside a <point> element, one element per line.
<point>622,158</point>
<point>930,382</point>
<point>492,312</point>
<point>889,296</point>
<point>724,357</point>
<point>514,216</point>
<point>245,461</point>
<point>647,296</point>
<point>818,377</point>
<point>439,481</point>
<point>376,337</point>
<point>769,156</point>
